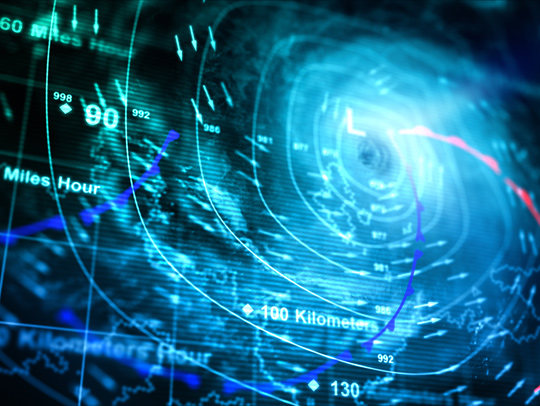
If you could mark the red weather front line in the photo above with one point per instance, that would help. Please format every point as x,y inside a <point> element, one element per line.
<point>537,389</point>
<point>488,160</point>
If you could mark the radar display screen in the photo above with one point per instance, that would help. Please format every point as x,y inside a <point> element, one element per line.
<point>252,203</point>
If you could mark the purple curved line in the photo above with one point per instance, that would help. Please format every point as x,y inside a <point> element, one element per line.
<point>88,216</point>
<point>368,345</point>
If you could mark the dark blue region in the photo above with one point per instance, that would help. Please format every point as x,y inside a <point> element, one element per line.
<point>88,216</point>
<point>69,318</point>
<point>230,387</point>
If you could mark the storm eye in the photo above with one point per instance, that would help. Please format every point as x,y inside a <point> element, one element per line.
<point>371,154</point>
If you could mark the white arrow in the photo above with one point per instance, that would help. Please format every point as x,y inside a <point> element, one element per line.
<point>285,257</point>
<point>436,244</point>
<point>388,196</point>
<point>439,333</point>
<point>251,161</point>
<point>447,261</point>
<point>402,261</point>
<point>480,300</point>
<point>484,320</point>
<point>504,370</point>
<point>456,390</point>
<point>122,95</point>
<point>212,42</point>
<point>178,49</point>
<point>397,245</point>
<point>511,196</point>
<point>227,95</point>
<point>534,394</point>
<point>361,273</point>
<point>347,255</point>
<point>198,115</point>
<point>355,302</point>
<point>462,275</point>
<point>276,236</point>
<point>429,304</point>
<point>516,284</point>
<point>193,40</point>
<point>433,320</point>
<point>74,21</point>
<point>102,101</point>
<point>531,296</point>
<point>325,103</point>
<point>499,334</point>
<point>533,244</point>
<point>96,25</point>
<point>210,101</point>
<point>515,388</point>
<point>522,240</point>
<point>7,109</point>
<point>397,207</point>
<point>254,181</point>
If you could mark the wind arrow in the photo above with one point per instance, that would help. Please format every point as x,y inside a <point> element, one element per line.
<point>499,334</point>
<point>390,196</point>
<point>433,320</point>
<point>96,25</point>
<point>212,42</point>
<point>484,320</point>
<point>522,241</point>
<point>531,295</point>
<point>397,207</point>
<point>325,103</point>
<point>397,245</point>
<point>504,370</point>
<point>193,40</point>
<point>436,244</point>
<point>462,275</point>
<point>480,300</point>
<point>210,101</point>
<point>533,244</point>
<point>402,261</point>
<point>439,333</point>
<point>198,115</point>
<point>429,304</point>
<point>459,389</point>
<point>345,255</point>
<point>74,21</point>
<point>276,236</point>
<point>534,394</point>
<point>515,388</point>
<point>178,49</point>
<point>122,95</point>
<point>227,95</point>
<point>447,261</point>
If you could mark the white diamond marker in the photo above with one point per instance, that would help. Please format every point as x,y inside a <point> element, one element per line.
<point>247,309</point>
<point>313,385</point>
<point>66,108</point>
